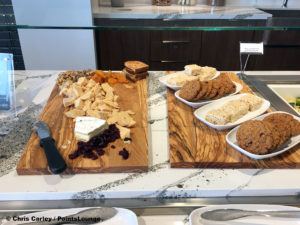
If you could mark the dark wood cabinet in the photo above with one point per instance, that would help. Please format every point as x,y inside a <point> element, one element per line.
<point>116,47</point>
<point>172,50</point>
<point>279,58</point>
<point>281,52</point>
<point>162,50</point>
<point>221,49</point>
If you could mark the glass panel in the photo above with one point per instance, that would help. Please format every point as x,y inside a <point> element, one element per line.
<point>7,86</point>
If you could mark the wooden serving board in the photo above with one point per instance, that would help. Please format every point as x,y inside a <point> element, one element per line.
<point>196,145</point>
<point>33,160</point>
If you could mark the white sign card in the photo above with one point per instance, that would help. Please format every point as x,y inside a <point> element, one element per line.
<point>252,48</point>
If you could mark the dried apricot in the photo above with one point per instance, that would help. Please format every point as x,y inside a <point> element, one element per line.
<point>109,73</point>
<point>112,80</point>
<point>97,79</point>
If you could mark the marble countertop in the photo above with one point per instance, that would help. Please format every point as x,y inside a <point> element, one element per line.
<point>33,90</point>
<point>176,12</point>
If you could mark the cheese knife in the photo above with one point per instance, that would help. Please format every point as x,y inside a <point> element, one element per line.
<point>55,161</point>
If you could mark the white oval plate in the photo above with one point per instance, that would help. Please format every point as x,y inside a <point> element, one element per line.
<point>196,219</point>
<point>231,139</point>
<point>201,112</point>
<point>164,79</point>
<point>197,104</point>
<point>123,216</point>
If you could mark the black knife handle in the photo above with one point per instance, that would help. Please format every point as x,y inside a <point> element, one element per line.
<point>55,161</point>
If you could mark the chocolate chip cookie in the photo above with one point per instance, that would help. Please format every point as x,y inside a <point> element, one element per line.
<point>209,88</point>
<point>232,88</point>
<point>255,137</point>
<point>282,122</point>
<point>295,126</point>
<point>220,92</point>
<point>190,90</point>
<point>214,90</point>
<point>203,91</point>
<point>275,134</point>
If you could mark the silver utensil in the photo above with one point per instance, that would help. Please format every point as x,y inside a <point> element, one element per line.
<point>55,161</point>
<point>231,214</point>
<point>88,216</point>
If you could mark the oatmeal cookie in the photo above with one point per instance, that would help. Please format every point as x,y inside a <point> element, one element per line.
<point>295,126</point>
<point>282,122</point>
<point>209,87</point>
<point>255,137</point>
<point>226,82</point>
<point>190,90</point>
<point>203,91</point>
<point>232,88</point>
<point>220,92</point>
<point>214,90</point>
<point>275,133</point>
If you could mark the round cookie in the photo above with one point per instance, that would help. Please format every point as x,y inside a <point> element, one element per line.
<point>275,133</point>
<point>295,126</point>
<point>255,137</point>
<point>232,88</point>
<point>227,88</point>
<point>282,122</point>
<point>229,85</point>
<point>200,89</point>
<point>189,90</point>
<point>220,92</point>
<point>284,131</point>
<point>203,91</point>
<point>214,90</point>
<point>209,87</point>
<point>225,82</point>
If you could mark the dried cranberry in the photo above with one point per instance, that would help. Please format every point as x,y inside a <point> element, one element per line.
<point>81,150</point>
<point>73,156</point>
<point>113,147</point>
<point>94,157</point>
<point>124,153</point>
<point>100,152</point>
<point>97,144</point>
<point>80,143</point>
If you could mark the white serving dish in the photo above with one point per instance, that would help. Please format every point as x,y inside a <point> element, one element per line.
<point>123,216</point>
<point>231,140</point>
<point>196,219</point>
<point>201,112</point>
<point>286,91</point>
<point>197,104</point>
<point>164,79</point>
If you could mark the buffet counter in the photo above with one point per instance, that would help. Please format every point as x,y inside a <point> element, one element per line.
<point>160,182</point>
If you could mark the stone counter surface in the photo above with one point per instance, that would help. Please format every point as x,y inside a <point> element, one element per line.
<point>176,12</point>
<point>143,9</point>
<point>33,90</point>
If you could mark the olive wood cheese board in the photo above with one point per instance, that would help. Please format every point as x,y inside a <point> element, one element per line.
<point>196,145</point>
<point>33,161</point>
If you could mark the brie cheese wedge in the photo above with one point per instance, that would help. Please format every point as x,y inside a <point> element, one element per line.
<point>87,127</point>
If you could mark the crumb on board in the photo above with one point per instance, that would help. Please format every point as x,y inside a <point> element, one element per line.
<point>128,86</point>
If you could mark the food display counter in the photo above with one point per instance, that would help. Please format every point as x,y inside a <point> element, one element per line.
<point>153,118</point>
<point>188,187</point>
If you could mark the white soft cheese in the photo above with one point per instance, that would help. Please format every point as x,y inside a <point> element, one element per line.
<point>87,127</point>
<point>192,70</point>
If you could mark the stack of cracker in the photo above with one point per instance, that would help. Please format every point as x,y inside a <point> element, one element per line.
<point>135,70</point>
